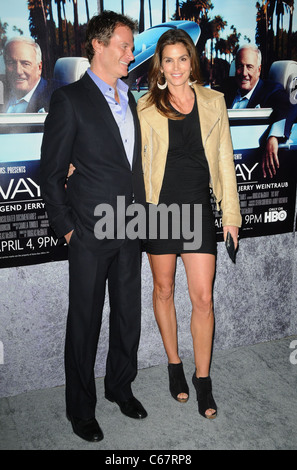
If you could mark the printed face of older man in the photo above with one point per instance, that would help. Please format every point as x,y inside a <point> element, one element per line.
<point>247,70</point>
<point>22,70</point>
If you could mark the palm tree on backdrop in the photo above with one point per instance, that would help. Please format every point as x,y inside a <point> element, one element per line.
<point>52,33</point>
<point>66,26</point>
<point>197,11</point>
<point>194,10</point>
<point>100,6</point>
<point>262,34</point>
<point>150,12</point>
<point>177,10</point>
<point>280,8</point>
<point>218,24</point>
<point>77,39</point>
<point>87,9</point>
<point>60,27</point>
<point>290,7</point>
<point>221,47</point>
<point>233,43</point>
<point>163,11</point>
<point>279,11</point>
<point>141,17</point>
<point>268,42</point>
<point>38,26</point>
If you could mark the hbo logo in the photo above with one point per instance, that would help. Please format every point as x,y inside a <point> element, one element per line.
<point>275,216</point>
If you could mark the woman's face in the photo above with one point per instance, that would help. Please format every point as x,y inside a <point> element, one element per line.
<point>176,64</point>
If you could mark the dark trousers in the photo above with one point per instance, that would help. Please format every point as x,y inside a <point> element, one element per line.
<point>88,273</point>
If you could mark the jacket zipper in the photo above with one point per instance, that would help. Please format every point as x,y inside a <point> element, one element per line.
<point>151,162</point>
<point>210,131</point>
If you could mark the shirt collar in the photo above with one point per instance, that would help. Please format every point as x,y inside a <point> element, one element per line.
<point>27,97</point>
<point>104,87</point>
<point>249,94</point>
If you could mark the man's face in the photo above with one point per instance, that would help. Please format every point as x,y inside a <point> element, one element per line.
<point>247,70</point>
<point>113,60</point>
<point>22,71</point>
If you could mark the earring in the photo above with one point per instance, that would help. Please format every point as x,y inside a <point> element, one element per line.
<point>162,87</point>
<point>191,83</point>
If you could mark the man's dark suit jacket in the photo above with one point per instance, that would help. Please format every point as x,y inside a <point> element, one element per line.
<point>42,95</point>
<point>81,129</point>
<point>267,94</point>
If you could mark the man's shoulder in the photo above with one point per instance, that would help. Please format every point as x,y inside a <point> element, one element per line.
<point>70,89</point>
<point>269,85</point>
<point>268,94</point>
<point>48,86</point>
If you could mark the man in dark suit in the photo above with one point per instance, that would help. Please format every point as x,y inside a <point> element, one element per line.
<point>248,90</point>
<point>93,124</point>
<point>26,91</point>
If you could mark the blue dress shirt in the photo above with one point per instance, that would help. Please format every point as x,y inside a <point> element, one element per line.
<point>121,111</point>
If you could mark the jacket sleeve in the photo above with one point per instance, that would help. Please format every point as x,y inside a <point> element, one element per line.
<point>230,199</point>
<point>56,151</point>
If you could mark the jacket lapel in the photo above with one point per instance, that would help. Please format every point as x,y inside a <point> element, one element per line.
<point>208,115</point>
<point>157,122</point>
<point>99,103</point>
<point>253,101</point>
<point>137,134</point>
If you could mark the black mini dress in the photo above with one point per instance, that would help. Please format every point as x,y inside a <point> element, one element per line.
<point>186,186</point>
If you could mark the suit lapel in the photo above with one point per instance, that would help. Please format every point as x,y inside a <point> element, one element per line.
<point>132,106</point>
<point>38,92</point>
<point>100,104</point>
<point>253,101</point>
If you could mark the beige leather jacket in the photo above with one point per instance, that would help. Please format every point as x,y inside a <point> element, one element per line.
<point>217,144</point>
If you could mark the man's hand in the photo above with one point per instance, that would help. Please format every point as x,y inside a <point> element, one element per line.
<point>270,158</point>
<point>68,236</point>
<point>71,170</point>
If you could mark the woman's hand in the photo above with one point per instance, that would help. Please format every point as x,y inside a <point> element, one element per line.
<point>233,232</point>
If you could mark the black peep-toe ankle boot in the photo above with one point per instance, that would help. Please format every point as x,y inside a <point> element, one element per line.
<point>205,399</point>
<point>177,382</point>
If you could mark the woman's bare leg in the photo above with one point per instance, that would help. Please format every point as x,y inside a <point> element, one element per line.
<point>200,270</point>
<point>163,271</point>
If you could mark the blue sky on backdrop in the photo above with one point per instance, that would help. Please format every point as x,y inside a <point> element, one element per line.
<point>240,13</point>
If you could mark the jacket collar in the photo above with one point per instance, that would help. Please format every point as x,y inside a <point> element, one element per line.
<point>208,114</point>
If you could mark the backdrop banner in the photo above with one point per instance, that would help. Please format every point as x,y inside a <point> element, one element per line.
<point>268,204</point>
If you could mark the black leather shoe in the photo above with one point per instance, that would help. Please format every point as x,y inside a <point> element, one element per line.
<point>131,407</point>
<point>89,430</point>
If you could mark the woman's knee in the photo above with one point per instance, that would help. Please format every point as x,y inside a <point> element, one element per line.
<point>202,303</point>
<point>164,290</point>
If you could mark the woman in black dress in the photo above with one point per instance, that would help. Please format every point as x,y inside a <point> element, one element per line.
<point>186,145</point>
